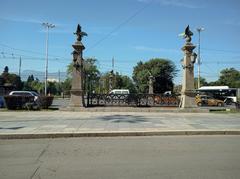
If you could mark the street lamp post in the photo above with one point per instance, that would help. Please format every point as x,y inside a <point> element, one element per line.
<point>47,26</point>
<point>200,29</point>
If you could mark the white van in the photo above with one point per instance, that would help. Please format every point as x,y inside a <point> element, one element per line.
<point>119,91</point>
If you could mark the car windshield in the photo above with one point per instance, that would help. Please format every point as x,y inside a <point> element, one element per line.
<point>34,93</point>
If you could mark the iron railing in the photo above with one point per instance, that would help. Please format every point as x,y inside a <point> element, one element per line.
<point>131,100</point>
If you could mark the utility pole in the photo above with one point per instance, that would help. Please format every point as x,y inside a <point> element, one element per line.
<point>20,65</point>
<point>59,85</point>
<point>47,26</point>
<point>113,64</point>
<point>59,77</point>
<point>200,29</point>
<point>113,76</point>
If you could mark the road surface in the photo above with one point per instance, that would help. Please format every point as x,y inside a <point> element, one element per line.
<point>122,158</point>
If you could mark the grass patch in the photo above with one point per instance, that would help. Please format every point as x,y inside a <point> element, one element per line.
<point>225,111</point>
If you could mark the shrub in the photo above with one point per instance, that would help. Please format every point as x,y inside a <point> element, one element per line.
<point>46,101</point>
<point>18,102</point>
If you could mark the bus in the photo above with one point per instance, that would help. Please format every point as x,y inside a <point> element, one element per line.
<point>228,95</point>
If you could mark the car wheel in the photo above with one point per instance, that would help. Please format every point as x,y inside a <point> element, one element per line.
<point>220,104</point>
<point>199,104</point>
<point>229,101</point>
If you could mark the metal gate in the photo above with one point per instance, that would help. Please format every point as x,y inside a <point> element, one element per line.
<point>140,100</point>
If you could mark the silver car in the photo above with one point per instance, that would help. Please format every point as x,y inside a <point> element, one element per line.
<point>26,93</point>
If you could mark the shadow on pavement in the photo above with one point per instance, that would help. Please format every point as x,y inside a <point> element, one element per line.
<point>123,118</point>
<point>12,128</point>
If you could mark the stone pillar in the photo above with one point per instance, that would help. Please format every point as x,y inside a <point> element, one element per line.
<point>150,85</point>
<point>188,93</point>
<point>77,90</point>
<point>111,81</point>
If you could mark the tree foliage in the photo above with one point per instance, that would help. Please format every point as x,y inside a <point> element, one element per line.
<point>203,82</point>
<point>33,84</point>
<point>66,85</point>
<point>118,82</point>
<point>89,67</point>
<point>162,70</point>
<point>230,77</point>
<point>124,82</point>
<point>91,75</point>
<point>11,79</point>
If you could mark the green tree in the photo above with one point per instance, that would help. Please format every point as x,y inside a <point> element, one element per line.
<point>66,85</point>
<point>52,88</point>
<point>230,77</point>
<point>33,84</point>
<point>118,82</point>
<point>91,75</point>
<point>123,82</point>
<point>11,79</point>
<point>90,67</point>
<point>203,82</point>
<point>30,78</point>
<point>162,70</point>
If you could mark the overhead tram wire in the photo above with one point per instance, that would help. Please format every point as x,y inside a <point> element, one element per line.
<point>64,58</point>
<point>28,51</point>
<point>9,56</point>
<point>221,51</point>
<point>13,56</point>
<point>27,56</point>
<point>120,25</point>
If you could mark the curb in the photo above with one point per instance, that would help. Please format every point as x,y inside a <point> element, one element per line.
<point>116,134</point>
<point>135,109</point>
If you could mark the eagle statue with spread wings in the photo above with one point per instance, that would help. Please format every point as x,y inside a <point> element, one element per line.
<point>187,34</point>
<point>80,33</point>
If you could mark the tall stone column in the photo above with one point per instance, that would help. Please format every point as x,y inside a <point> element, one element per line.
<point>188,93</point>
<point>77,90</point>
<point>111,81</point>
<point>150,84</point>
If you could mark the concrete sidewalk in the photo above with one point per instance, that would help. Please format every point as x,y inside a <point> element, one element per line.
<point>45,124</point>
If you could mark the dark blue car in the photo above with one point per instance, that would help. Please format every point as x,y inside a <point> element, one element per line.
<point>1,102</point>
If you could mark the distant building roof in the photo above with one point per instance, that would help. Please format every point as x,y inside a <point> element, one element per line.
<point>213,87</point>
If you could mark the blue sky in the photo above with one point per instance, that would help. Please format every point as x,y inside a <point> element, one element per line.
<point>128,30</point>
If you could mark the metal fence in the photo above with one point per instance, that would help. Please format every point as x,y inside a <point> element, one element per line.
<point>140,100</point>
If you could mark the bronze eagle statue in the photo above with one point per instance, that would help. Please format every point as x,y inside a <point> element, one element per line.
<point>187,34</point>
<point>79,33</point>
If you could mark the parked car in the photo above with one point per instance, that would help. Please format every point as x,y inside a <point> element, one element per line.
<point>167,93</point>
<point>2,102</point>
<point>204,100</point>
<point>230,100</point>
<point>26,93</point>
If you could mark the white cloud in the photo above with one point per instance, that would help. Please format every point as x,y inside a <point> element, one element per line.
<point>176,3</point>
<point>233,22</point>
<point>152,49</point>
<point>57,31</point>
<point>26,20</point>
<point>60,27</point>
<point>29,20</point>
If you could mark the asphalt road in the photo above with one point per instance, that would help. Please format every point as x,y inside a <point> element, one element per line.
<point>122,158</point>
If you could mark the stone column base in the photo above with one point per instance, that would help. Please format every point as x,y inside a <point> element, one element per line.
<point>77,99</point>
<point>188,100</point>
